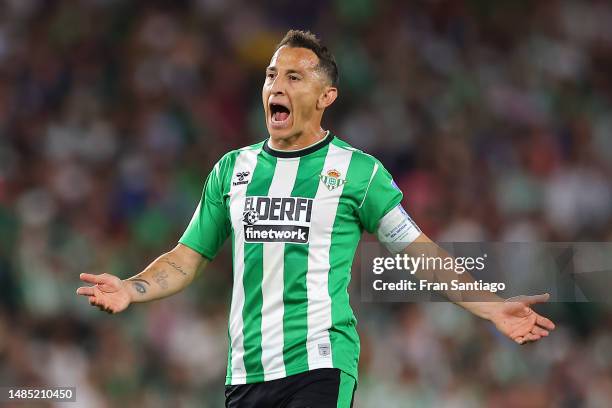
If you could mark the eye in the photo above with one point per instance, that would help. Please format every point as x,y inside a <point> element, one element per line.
<point>294,78</point>
<point>270,75</point>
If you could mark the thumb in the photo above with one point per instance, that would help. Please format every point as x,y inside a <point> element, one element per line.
<point>530,300</point>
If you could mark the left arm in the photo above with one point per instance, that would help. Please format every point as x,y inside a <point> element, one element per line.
<point>380,212</point>
<point>513,317</point>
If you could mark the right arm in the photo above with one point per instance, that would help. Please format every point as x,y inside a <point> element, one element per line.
<point>165,276</point>
<point>173,271</point>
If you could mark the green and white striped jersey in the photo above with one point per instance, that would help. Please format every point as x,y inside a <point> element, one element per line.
<point>295,219</point>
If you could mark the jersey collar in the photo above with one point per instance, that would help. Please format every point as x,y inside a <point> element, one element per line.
<point>287,154</point>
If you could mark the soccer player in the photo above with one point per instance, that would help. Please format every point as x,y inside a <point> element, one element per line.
<point>295,207</point>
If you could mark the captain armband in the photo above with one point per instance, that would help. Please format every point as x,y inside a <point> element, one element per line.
<point>396,230</point>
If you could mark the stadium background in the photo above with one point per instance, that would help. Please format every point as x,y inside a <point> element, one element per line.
<point>493,117</point>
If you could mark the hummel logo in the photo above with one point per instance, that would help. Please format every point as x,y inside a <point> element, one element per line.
<point>241,176</point>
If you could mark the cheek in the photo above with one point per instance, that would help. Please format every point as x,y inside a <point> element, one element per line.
<point>265,94</point>
<point>307,105</point>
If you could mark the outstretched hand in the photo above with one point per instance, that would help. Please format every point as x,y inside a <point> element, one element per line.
<point>109,293</point>
<point>516,319</point>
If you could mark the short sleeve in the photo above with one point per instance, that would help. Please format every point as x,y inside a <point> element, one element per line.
<point>209,227</point>
<point>382,195</point>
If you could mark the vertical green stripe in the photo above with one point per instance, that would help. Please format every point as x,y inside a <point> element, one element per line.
<point>295,297</point>
<point>346,391</point>
<point>345,238</point>
<point>251,314</point>
<point>253,275</point>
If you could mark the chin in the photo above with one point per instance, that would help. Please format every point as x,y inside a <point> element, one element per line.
<point>276,133</point>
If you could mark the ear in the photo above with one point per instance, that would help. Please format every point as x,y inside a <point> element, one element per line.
<point>328,97</point>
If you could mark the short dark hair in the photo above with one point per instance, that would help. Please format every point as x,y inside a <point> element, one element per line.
<point>306,39</point>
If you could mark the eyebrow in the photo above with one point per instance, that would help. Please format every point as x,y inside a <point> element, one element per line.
<point>289,71</point>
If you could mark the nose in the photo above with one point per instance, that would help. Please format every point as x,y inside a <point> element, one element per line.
<point>278,86</point>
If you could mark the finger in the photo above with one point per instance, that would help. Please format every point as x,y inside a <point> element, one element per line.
<point>96,302</point>
<point>522,341</point>
<point>85,291</point>
<point>539,331</point>
<point>94,279</point>
<point>532,337</point>
<point>544,322</point>
<point>531,300</point>
<point>519,332</point>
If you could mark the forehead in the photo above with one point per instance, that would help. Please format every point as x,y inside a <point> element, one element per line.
<point>294,58</point>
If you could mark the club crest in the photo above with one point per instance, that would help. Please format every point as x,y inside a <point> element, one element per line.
<point>332,179</point>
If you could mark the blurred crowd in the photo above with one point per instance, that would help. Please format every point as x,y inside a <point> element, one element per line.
<point>493,117</point>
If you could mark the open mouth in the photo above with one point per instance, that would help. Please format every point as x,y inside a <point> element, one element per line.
<point>279,114</point>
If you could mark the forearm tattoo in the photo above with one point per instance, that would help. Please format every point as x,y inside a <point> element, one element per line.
<point>139,285</point>
<point>177,267</point>
<point>160,278</point>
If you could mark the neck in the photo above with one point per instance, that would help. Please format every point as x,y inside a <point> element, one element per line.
<point>299,141</point>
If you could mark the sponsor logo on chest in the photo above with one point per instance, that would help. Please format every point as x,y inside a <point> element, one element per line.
<point>277,219</point>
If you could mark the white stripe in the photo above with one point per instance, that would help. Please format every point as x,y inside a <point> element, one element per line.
<point>246,161</point>
<point>272,310</point>
<point>319,302</point>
